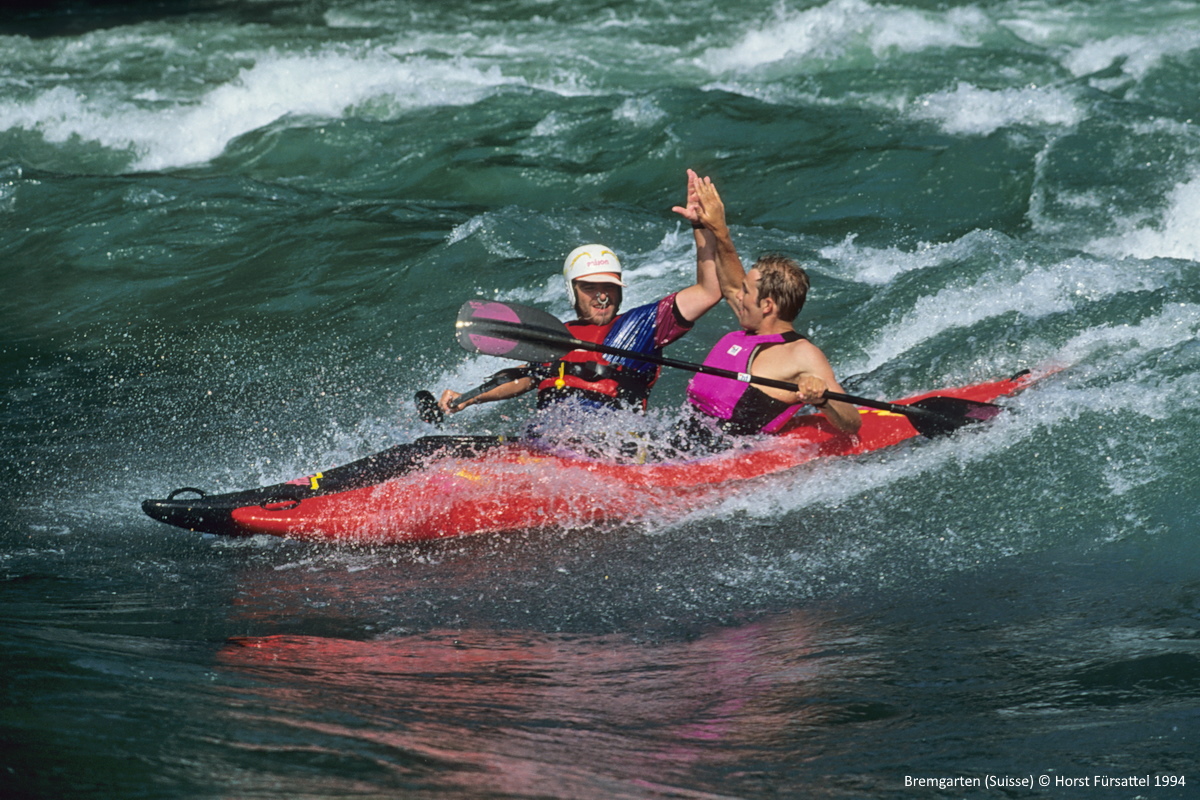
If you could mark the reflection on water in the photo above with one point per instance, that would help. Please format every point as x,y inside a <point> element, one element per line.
<point>531,714</point>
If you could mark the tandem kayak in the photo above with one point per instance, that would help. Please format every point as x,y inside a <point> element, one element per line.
<point>443,486</point>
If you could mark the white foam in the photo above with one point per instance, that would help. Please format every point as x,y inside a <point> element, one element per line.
<point>974,111</point>
<point>1176,234</point>
<point>642,112</point>
<point>321,85</point>
<point>1175,323</point>
<point>1032,291</point>
<point>879,266</point>
<point>841,27</point>
<point>1135,54</point>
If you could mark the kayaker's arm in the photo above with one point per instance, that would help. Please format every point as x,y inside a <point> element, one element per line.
<point>844,416</point>
<point>697,299</point>
<point>814,364</point>
<point>730,272</point>
<point>803,363</point>
<point>501,392</point>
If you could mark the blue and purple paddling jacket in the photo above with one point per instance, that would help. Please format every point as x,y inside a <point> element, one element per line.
<point>595,379</point>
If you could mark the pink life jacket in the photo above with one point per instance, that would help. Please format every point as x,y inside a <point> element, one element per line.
<point>742,407</point>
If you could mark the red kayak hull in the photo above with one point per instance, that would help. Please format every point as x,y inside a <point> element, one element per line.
<point>511,486</point>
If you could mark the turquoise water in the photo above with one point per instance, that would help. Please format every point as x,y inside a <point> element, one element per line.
<point>234,239</point>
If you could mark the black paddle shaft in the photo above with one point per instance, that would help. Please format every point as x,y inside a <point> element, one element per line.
<point>545,341</point>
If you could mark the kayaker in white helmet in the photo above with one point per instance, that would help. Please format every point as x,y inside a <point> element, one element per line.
<point>594,284</point>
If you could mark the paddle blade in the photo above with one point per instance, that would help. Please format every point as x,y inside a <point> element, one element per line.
<point>510,330</point>
<point>941,416</point>
<point>427,407</point>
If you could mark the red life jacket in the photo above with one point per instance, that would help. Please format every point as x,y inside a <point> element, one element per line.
<point>588,375</point>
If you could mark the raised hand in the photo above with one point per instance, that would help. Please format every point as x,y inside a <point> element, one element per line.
<point>710,211</point>
<point>691,211</point>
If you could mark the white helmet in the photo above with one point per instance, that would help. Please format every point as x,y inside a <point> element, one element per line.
<point>592,261</point>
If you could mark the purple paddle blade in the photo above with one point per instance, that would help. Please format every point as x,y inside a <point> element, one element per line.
<point>511,331</point>
<point>476,337</point>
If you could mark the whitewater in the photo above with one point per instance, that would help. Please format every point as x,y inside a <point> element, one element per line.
<point>234,237</point>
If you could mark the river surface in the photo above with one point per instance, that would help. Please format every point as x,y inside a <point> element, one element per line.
<point>233,240</point>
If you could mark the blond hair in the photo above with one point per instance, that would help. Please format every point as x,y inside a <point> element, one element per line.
<point>783,280</point>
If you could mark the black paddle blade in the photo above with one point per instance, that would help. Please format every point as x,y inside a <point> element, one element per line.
<point>427,407</point>
<point>510,330</point>
<point>941,416</point>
